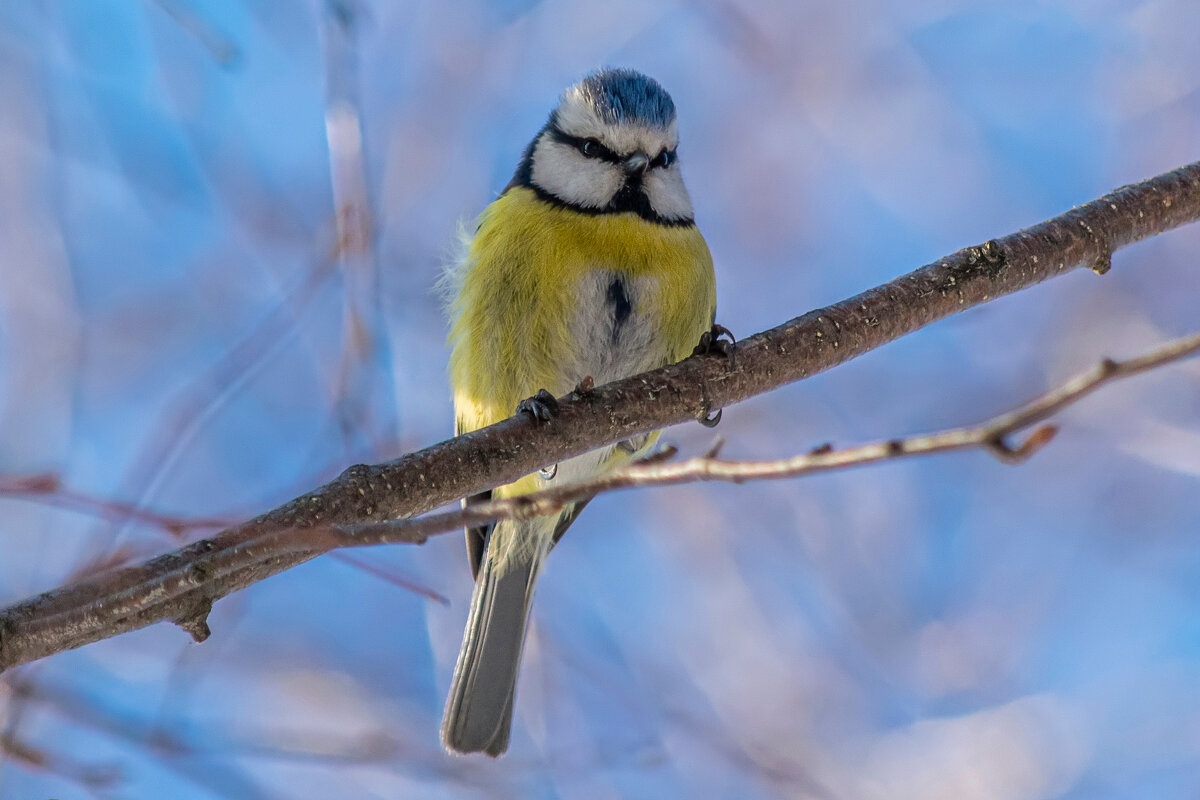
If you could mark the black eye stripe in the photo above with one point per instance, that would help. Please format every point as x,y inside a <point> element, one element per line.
<point>664,159</point>
<point>596,149</point>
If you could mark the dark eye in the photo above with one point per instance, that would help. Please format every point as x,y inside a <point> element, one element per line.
<point>663,159</point>
<point>590,148</point>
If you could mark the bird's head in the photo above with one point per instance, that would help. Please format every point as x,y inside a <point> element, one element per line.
<point>610,147</point>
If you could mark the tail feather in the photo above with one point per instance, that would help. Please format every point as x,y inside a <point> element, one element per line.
<point>480,706</point>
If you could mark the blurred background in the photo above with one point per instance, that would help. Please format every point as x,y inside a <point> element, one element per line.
<point>221,224</point>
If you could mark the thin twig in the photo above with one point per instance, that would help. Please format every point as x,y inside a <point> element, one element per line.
<point>47,489</point>
<point>174,430</point>
<point>91,776</point>
<point>363,401</point>
<point>182,585</point>
<point>220,46</point>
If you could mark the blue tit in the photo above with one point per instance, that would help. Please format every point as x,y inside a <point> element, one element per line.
<point>588,264</point>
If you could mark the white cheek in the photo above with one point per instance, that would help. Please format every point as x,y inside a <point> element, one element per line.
<point>668,196</point>
<point>560,170</point>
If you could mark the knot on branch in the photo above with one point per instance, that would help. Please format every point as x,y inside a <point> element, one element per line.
<point>195,621</point>
<point>200,572</point>
<point>359,497</point>
<point>999,447</point>
<point>990,255</point>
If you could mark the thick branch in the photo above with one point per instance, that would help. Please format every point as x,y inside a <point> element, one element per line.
<point>180,585</point>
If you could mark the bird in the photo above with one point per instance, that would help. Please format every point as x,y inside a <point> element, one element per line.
<point>587,268</point>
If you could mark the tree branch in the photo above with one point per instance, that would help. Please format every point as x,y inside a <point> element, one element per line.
<point>990,436</point>
<point>181,585</point>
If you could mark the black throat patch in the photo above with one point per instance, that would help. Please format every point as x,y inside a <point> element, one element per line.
<point>630,197</point>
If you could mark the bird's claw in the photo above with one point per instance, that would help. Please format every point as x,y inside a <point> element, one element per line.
<point>634,443</point>
<point>542,406</point>
<point>707,421</point>
<point>712,341</point>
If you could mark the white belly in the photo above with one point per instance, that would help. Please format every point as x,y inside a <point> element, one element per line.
<point>617,336</point>
<point>615,333</point>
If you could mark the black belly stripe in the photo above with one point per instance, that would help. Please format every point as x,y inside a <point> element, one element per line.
<point>622,308</point>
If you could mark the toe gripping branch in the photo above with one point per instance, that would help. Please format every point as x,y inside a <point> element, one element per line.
<point>714,341</point>
<point>542,406</point>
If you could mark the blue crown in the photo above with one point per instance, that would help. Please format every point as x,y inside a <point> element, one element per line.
<point>625,96</point>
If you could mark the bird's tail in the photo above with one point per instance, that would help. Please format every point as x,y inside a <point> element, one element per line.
<point>480,706</point>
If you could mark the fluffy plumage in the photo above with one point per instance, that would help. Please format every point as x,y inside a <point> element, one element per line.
<point>589,264</point>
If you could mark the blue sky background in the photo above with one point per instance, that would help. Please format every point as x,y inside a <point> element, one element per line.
<point>172,335</point>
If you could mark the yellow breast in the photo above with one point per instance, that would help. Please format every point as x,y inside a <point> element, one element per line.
<point>515,325</point>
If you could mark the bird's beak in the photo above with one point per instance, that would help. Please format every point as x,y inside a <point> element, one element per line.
<point>637,163</point>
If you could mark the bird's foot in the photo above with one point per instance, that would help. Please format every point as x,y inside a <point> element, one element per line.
<point>719,340</point>
<point>542,406</point>
<point>712,341</point>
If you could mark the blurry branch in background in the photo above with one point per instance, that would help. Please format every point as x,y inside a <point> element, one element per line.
<point>91,776</point>
<point>174,429</point>
<point>363,379</point>
<point>187,753</point>
<point>181,586</point>
<point>47,489</point>
<point>202,398</point>
<point>387,576</point>
<point>268,738</point>
<point>219,46</point>
<point>990,436</point>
